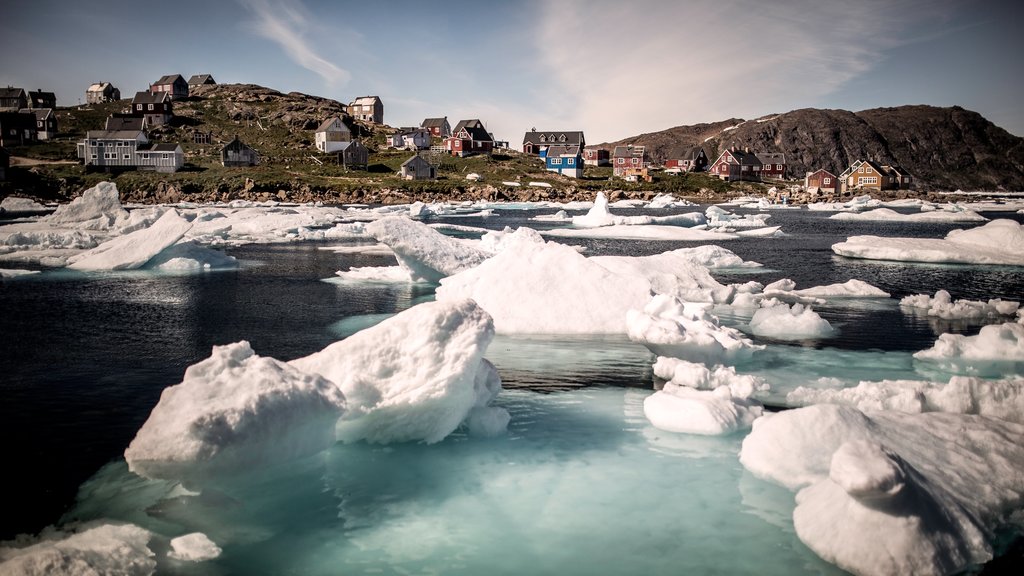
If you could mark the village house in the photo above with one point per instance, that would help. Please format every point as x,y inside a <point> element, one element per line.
<point>867,175</point>
<point>901,178</point>
<point>46,123</point>
<point>439,127</point>
<point>821,182</point>
<point>630,161</point>
<point>237,154</point>
<point>695,160</point>
<point>735,165</point>
<point>127,149</point>
<point>367,109</point>
<point>596,157</point>
<point>566,160</point>
<point>333,135</point>
<point>198,80</point>
<point>537,143</point>
<point>17,128</point>
<point>118,121</point>
<point>468,138</point>
<point>773,165</point>
<point>173,85</point>
<point>40,99</point>
<point>13,98</point>
<point>410,139</point>
<point>155,107</point>
<point>353,155</point>
<point>101,92</point>
<point>417,168</point>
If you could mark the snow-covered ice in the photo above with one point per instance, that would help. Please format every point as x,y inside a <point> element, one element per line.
<point>16,205</point>
<point>135,249</point>
<point>99,549</point>
<point>943,306</point>
<point>98,208</point>
<point>701,377</point>
<point>994,349</point>
<point>194,547</point>
<point>931,216</point>
<point>709,412</point>
<point>892,493</point>
<point>671,328</point>
<point>790,322</point>
<point>427,254</point>
<point>997,242</point>
<point>599,216</point>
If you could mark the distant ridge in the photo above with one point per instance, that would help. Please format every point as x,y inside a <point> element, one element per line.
<point>944,148</point>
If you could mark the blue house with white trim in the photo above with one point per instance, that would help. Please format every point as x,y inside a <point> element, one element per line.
<point>566,160</point>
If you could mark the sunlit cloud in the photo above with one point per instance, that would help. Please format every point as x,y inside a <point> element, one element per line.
<point>645,66</point>
<point>289,25</point>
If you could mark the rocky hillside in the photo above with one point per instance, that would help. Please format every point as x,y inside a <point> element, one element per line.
<point>944,148</point>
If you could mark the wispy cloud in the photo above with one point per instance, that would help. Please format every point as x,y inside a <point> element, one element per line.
<point>714,59</point>
<point>289,25</point>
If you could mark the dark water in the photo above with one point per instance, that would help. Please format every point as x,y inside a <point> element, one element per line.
<point>85,357</point>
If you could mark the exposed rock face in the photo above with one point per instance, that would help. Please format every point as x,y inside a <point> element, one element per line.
<point>944,148</point>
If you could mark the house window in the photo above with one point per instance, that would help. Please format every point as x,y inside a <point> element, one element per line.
<point>127,156</point>
<point>826,180</point>
<point>906,180</point>
<point>145,156</point>
<point>621,160</point>
<point>860,170</point>
<point>100,144</point>
<point>570,161</point>
<point>778,166</point>
<point>93,156</point>
<point>556,161</point>
<point>636,160</point>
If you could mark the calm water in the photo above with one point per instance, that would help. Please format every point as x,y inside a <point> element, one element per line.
<point>85,358</point>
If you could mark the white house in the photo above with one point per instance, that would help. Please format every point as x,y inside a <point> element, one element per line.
<point>410,139</point>
<point>333,135</point>
<point>129,149</point>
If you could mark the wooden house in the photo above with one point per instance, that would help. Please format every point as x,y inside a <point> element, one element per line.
<point>46,123</point>
<point>198,80</point>
<point>333,135</point>
<point>773,165</point>
<point>695,160</point>
<point>353,155</point>
<point>118,121</point>
<point>417,168</point>
<point>439,127</point>
<point>17,128</point>
<point>901,178</point>
<point>735,164</point>
<point>101,92</point>
<point>536,143</point>
<point>173,85</point>
<point>237,154</point>
<point>128,149</point>
<point>566,160</point>
<point>629,159</point>
<point>367,109</point>
<point>865,175</point>
<point>40,99</point>
<point>162,157</point>
<point>596,157</point>
<point>468,138</point>
<point>821,182</point>
<point>13,98</point>
<point>155,107</point>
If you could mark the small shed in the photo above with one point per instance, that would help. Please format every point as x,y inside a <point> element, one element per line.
<point>237,154</point>
<point>353,155</point>
<point>416,168</point>
<point>198,80</point>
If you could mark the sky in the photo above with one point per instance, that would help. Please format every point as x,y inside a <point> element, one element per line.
<point>611,69</point>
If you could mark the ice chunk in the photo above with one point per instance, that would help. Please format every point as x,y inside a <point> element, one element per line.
<point>892,493</point>
<point>415,376</point>
<point>6,273</point>
<point>194,547</point>
<point>16,205</point>
<point>887,214</point>
<point>98,208</point>
<point>599,216</point>
<point>426,253</point>
<point>994,345</point>
<point>1002,399</point>
<point>670,328</point>
<point>943,306</point>
<point>102,549</point>
<point>997,242</point>
<point>189,257</point>
<point>645,232</point>
<point>133,250</point>
<point>232,411</point>
<point>701,377</point>
<point>709,412</point>
<point>796,322</point>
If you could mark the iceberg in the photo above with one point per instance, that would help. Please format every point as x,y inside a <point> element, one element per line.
<point>700,377</point>
<point>997,242</point>
<point>599,216</point>
<point>668,327</point>
<point>233,411</point>
<point>98,549</point>
<point>993,347</point>
<point>892,493</point>
<point>133,250</point>
<point>98,208</point>
<point>427,254</point>
<point>414,377</point>
<point>796,322</point>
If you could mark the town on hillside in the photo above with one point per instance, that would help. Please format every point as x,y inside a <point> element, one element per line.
<point>134,136</point>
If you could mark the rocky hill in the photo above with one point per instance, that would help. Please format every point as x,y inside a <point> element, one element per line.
<point>944,148</point>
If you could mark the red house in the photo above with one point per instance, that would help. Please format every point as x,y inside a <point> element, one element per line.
<point>773,165</point>
<point>174,85</point>
<point>735,164</point>
<point>468,138</point>
<point>596,157</point>
<point>693,161</point>
<point>821,181</point>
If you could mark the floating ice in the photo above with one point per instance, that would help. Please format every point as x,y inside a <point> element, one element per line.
<point>700,377</point>
<point>718,217</point>
<point>1002,399</point>
<point>796,322</point>
<point>645,232</point>
<point>415,376</point>
<point>102,549</point>
<point>997,242</point>
<point>194,547</point>
<point>98,208</point>
<point>892,215</point>
<point>233,411</point>
<point>6,273</point>
<point>15,205</point>
<point>668,201</point>
<point>709,412</point>
<point>995,346</point>
<point>892,493</point>
<point>853,288</point>
<point>427,254</point>
<point>133,250</point>
<point>190,258</point>
<point>671,328</point>
<point>943,306</point>
<point>599,215</point>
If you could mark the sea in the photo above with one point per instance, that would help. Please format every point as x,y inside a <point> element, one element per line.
<point>580,484</point>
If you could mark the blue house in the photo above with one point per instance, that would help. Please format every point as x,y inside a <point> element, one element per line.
<point>566,160</point>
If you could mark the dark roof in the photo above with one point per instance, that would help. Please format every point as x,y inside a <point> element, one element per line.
<point>12,92</point>
<point>125,122</point>
<point>474,123</point>
<point>236,144</point>
<point>629,151</point>
<point>158,147</point>
<point>42,113</point>
<point>114,134</point>
<point>744,158</point>
<point>556,137</point>
<point>415,159</point>
<point>692,153</point>
<point>771,157</point>
<point>169,79</point>
<point>563,150</point>
<point>432,122</point>
<point>199,79</point>
<point>150,98</point>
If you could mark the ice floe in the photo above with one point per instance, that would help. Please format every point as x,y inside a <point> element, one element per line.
<point>992,350</point>
<point>888,214</point>
<point>98,208</point>
<point>97,549</point>
<point>135,249</point>
<point>884,492</point>
<point>997,242</point>
<point>709,412</point>
<point>14,205</point>
<point>673,329</point>
<point>426,254</point>
<point>599,216</point>
<point>790,322</point>
<point>943,306</point>
<point>194,547</point>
